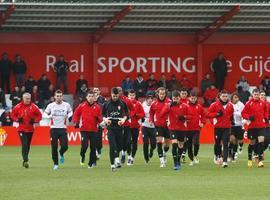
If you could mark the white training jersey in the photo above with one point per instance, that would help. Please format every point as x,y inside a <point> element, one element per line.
<point>146,109</point>
<point>59,114</point>
<point>238,108</point>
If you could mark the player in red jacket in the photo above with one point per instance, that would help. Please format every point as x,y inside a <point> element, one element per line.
<point>26,114</point>
<point>184,99</point>
<point>256,112</point>
<point>135,115</point>
<point>177,125</point>
<point>126,126</point>
<point>220,114</point>
<point>194,125</point>
<point>159,117</point>
<point>87,117</point>
<point>267,130</point>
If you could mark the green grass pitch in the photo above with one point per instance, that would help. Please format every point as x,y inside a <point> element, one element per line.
<point>203,181</point>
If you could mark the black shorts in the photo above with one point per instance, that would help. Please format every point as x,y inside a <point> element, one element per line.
<point>178,135</point>
<point>163,132</point>
<point>254,133</point>
<point>238,132</point>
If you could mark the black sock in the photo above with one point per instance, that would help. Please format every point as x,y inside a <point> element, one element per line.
<point>260,150</point>
<point>217,148</point>
<point>166,149</point>
<point>250,149</point>
<point>159,150</point>
<point>196,149</point>
<point>235,146</point>
<point>180,152</point>
<point>174,153</point>
<point>230,150</point>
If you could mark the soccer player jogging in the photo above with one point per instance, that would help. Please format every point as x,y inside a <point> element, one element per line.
<point>220,114</point>
<point>26,114</point>
<point>59,112</point>
<point>100,100</point>
<point>115,113</point>
<point>135,115</point>
<point>267,129</point>
<point>194,125</point>
<point>237,129</point>
<point>184,99</point>
<point>148,130</point>
<point>177,125</point>
<point>256,112</point>
<point>159,117</point>
<point>126,125</point>
<point>87,117</point>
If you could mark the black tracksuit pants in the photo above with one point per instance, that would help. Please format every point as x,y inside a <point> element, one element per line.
<point>26,138</point>
<point>85,138</point>
<point>61,135</point>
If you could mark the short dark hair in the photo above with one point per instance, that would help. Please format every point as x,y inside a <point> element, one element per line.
<point>193,94</point>
<point>114,90</point>
<point>256,90</point>
<point>175,93</point>
<point>262,91</point>
<point>183,89</point>
<point>90,92</point>
<point>58,92</point>
<point>131,91</point>
<point>223,92</point>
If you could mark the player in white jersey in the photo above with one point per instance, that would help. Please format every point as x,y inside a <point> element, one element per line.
<point>237,131</point>
<point>59,113</point>
<point>148,130</point>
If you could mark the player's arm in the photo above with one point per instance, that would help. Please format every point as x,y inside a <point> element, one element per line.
<point>139,111</point>
<point>47,112</point>
<point>99,115</point>
<point>212,111</point>
<point>37,114</point>
<point>151,114</point>
<point>246,112</point>
<point>15,114</point>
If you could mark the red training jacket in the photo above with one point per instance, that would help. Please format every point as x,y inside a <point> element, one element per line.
<point>27,113</point>
<point>89,116</point>
<point>159,113</point>
<point>258,109</point>
<point>175,124</point>
<point>223,121</point>
<point>136,114</point>
<point>197,116</point>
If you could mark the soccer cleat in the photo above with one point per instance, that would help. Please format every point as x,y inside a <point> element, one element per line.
<point>260,164</point>
<point>216,161</point>
<point>196,160</point>
<point>123,157</point>
<point>117,163</point>
<point>82,161</point>
<point>183,159</point>
<point>146,162</point>
<point>113,168</point>
<point>94,164</point>
<point>162,163</point>
<point>25,164</point>
<point>191,163</point>
<point>229,159</point>
<point>62,159</point>
<point>90,166</point>
<point>129,161</point>
<point>55,167</point>
<point>177,167</point>
<point>224,165</point>
<point>250,163</point>
<point>236,155</point>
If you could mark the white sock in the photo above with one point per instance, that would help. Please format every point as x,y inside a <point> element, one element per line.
<point>161,160</point>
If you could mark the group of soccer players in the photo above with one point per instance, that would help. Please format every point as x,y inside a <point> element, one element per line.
<point>164,122</point>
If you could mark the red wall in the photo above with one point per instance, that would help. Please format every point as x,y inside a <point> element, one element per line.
<point>34,47</point>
